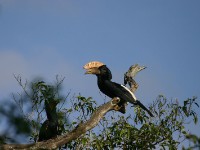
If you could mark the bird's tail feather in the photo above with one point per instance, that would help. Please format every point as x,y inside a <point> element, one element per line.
<point>143,107</point>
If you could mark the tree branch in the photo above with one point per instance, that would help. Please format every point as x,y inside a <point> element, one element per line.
<point>68,137</point>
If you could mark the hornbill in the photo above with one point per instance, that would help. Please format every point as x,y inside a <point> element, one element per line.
<point>49,128</point>
<point>112,89</point>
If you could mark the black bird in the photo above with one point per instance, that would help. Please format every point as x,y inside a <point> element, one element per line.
<point>112,89</point>
<point>49,128</point>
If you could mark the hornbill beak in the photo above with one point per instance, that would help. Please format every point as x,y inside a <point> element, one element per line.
<point>94,70</point>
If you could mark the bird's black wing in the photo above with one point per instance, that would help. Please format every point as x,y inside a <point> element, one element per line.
<point>113,89</point>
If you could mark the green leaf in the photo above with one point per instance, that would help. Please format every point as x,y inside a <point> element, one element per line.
<point>195,119</point>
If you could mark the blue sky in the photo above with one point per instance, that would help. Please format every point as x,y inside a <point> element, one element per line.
<point>46,38</point>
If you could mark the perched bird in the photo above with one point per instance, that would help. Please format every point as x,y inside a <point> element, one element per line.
<point>130,75</point>
<point>49,128</point>
<point>109,88</point>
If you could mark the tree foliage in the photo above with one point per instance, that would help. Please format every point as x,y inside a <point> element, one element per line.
<point>141,132</point>
<point>167,130</point>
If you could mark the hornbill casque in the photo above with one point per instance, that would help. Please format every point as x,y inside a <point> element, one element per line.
<point>112,89</point>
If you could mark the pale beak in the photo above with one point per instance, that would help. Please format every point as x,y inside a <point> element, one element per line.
<point>92,71</point>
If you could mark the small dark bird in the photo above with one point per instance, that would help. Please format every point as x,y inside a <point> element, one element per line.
<point>49,128</point>
<point>112,89</point>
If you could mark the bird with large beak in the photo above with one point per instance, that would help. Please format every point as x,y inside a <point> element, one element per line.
<point>112,89</point>
<point>94,70</point>
<point>93,67</point>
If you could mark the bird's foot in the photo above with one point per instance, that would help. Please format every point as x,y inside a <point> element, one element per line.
<point>117,106</point>
<point>121,108</point>
<point>115,101</point>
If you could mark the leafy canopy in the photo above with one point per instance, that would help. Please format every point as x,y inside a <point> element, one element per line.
<point>167,130</point>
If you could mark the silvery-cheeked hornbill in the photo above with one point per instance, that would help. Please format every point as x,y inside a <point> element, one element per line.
<point>110,88</point>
